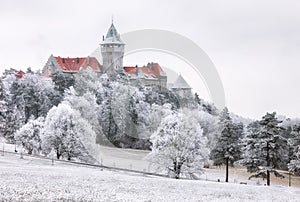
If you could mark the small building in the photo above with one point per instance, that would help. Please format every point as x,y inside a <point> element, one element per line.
<point>20,74</point>
<point>181,87</point>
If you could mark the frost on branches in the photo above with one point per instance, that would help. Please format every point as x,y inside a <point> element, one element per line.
<point>294,142</point>
<point>265,147</point>
<point>33,95</point>
<point>29,135</point>
<point>69,134</point>
<point>179,146</point>
<point>228,147</point>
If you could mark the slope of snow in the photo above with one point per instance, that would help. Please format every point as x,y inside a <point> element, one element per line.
<point>32,179</point>
<point>135,160</point>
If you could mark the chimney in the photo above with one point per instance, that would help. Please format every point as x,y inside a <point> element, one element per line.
<point>63,60</point>
<point>102,37</point>
<point>77,60</point>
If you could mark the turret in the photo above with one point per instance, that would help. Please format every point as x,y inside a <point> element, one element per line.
<point>112,50</point>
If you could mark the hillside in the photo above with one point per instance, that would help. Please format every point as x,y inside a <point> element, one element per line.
<point>33,179</point>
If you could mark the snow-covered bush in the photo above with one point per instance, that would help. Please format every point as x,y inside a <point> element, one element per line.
<point>29,135</point>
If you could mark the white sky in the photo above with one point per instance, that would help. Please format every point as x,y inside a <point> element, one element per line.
<point>254,44</point>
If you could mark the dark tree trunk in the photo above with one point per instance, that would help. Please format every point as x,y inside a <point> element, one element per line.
<point>268,165</point>
<point>57,154</point>
<point>177,169</point>
<point>227,162</point>
<point>30,151</point>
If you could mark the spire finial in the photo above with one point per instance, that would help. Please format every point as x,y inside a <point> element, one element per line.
<point>112,19</point>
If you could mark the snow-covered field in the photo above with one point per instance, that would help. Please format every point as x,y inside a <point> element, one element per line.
<point>33,179</point>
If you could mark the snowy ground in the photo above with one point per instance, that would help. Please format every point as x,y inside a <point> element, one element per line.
<point>135,160</point>
<point>33,179</point>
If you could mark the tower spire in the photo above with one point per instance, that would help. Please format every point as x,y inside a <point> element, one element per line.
<point>112,19</point>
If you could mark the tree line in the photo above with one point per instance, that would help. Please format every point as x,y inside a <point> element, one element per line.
<point>72,116</point>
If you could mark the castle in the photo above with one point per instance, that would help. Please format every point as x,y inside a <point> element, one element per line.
<point>112,51</point>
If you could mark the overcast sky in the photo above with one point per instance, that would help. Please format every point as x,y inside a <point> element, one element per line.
<point>254,44</point>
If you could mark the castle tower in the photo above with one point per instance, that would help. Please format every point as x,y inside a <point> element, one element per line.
<point>181,87</point>
<point>112,50</point>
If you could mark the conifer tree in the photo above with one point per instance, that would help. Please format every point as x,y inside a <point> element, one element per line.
<point>228,146</point>
<point>294,142</point>
<point>265,148</point>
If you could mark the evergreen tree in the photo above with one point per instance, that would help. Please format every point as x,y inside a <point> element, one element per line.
<point>61,81</point>
<point>251,147</point>
<point>228,146</point>
<point>294,142</point>
<point>14,121</point>
<point>3,108</point>
<point>10,118</point>
<point>205,106</point>
<point>33,95</point>
<point>265,148</point>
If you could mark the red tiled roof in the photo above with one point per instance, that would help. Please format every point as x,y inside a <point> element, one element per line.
<point>74,64</point>
<point>152,70</point>
<point>20,74</point>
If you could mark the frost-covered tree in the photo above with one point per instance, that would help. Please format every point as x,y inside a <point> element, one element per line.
<point>61,81</point>
<point>251,147</point>
<point>155,95</point>
<point>120,108</point>
<point>3,108</point>
<point>228,147</point>
<point>205,106</point>
<point>29,135</point>
<point>11,118</point>
<point>141,122</point>
<point>14,121</point>
<point>159,112</point>
<point>69,134</point>
<point>265,147</point>
<point>86,105</point>
<point>143,110</point>
<point>294,142</point>
<point>104,112</point>
<point>178,145</point>
<point>86,80</point>
<point>33,95</point>
<point>121,113</point>
<point>209,124</point>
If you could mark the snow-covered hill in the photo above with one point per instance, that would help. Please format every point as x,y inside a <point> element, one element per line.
<point>33,179</point>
